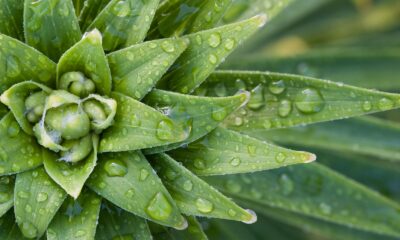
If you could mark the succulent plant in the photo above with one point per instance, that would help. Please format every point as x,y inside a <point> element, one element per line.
<point>115,122</point>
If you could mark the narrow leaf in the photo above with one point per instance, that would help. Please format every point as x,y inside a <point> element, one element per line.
<point>135,70</point>
<point>51,26</point>
<point>184,109</point>
<point>90,10</point>
<point>71,177</point>
<point>194,196</point>
<point>316,191</point>
<point>6,194</point>
<point>194,231</point>
<point>19,152</point>
<point>124,23</point>
<point>88,57</point>
<point>281,100</point>
<point>78,5</point>
<point>37,200</point>
<point>77,219</point>
<point>135,120</point>
<point>227,152</point>
<point>115,223</point>
<point>11,18</point>
<point>139,190</point>
<point>9,229</point>
<point>19,62</point>
<point>207,49</point>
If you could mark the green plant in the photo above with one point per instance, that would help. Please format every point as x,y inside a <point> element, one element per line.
<point>126,128</point>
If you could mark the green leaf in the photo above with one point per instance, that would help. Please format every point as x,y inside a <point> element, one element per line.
<point>37,200</point>
<point>135,70</point>
<point>207,49</point>
<point>193,232</point>
<point>51,26</point>
<point>6,194</point>
<point>11,18</point>
<point>15,97</point>
<point>77,219</point>
<point>87,56</point>
<point>139,190</point>
<point>282,100</point>
<point>115,223</point>
<point>19,62</point>
<point>135,120</point>
<point>227,152</point>
<point>316,191</point>
<point>72,177</point>
<point>90,10</point>
<point>9,229</point>
<point>19,152</point>
<point>78,5</point>
<point>124,23</point>
<point>199,114</point>
<point>367,135</point>
<point>3,110</point>
<point>194,196</point>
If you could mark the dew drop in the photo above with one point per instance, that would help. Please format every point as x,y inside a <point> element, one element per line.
<point>212,58</point>
<point>256,101</point>
<point>159,207</point>
<point>385,104</point>
<point>165,130</point>
<point>199,164</point>
<point>309,100</point>
<point>121,9</point>
<point>168,46</point>
<point>188,185</point>
<point>252,150</point>
<point>219,114</point>
<point>235,162</point>
<point>143,174</point>
<point>130,193</point>
<point>220,90</point>
<point>28,230</point>
<point>229,44</point>
<point>277,87</point>
<point>286,184</point>
<point>115,168</point>
<point>366,106</point>
<point>280,157</point>
<point>284,108</point>
<point>267,124</point>
<point>204,205</point>
<point>12,67</point>
<point>23,194</point>
<point>41,197</point>
<point>214,40</point>
<point>253,218</point>
<point>13,129</point>
<point>232,212</point>
<point>325,208</point>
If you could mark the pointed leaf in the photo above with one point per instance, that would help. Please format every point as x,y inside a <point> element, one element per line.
<point>194,231</point>
<point>139,190</point>
<point>51,26</point>
<point>316,191</point>
<point>135,70</point>
<point>9,229</point>
<point>184,109</point>
<point>37,199</point>
<point>194,196</point>
<point>72,177</point>
<point>19,62</point>
<point>90,10</point>
<point>78,5</point>
<point>124,23</point>
<point>227,152</point>
<point>135,120</point>
<point>207,49</point>
<point>88,57</point>
<point>115,223</point>
<point>282,100</point>
<point>19,152</point>
<point>11,18</point>
<point>6,194</point>
<point>77,219</point>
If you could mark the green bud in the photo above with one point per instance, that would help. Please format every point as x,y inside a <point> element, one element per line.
<point>77,149</point>
<point>94,110</point>
<point>89,86</point>
<point>68,78</point>
<point>77,89</point>
<point>70,121</point>
<point>77,84</point>
<point>34,105</point>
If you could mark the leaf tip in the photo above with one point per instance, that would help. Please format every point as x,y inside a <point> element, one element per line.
<point>183,225</point>
<point>253,218</point>
<point>261,19</point>
<point>244,97</point>
<point>94,36</point>
<point>309,157</point>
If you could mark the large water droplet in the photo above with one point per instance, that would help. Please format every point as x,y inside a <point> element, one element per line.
<point>286,184</point>
<point>212,58</point>
<point>143,174</point>
<point>28,230</point>
<point>168,46</point>
<point>115,168</point>
<point>235,162</point>
<point>214,40</point>
<point>385,104</point>
<point>284,108</point>
<point>256,101</point>
<point>159,207</point>
<point>41,197</point>
<point>219,114</point>
<point>188,185</point>
<point>309,100</point>
<point>204,205</point>
<point>366,106</point>
<point>165,130</point>
<point>277,87</point>
<point>280,157</point>
<point>121,9</point>
<point>229,44</point>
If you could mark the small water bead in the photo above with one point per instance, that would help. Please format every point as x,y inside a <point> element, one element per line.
<point>220,90</point>
<point>214,40</point>
<point>235,162</point>
<point>188,185</point>
<point>41,197</point>
<point>284,108</point>
<point>28,208</point>
<point>171,174</point>
<point>159,207</point>
<point>309,100</point>
<point>143,174</point>
<point>219,114</point>
<point>325,208</point>
<point>212,58</point>
<point>121,9</point>
<point>366,106</point>
<point>385,104</point>
<point>253,218</point>
<point>232,212</point>
<point>165,130</point>
<point>256,101</point>
<point>12,67</point>
<point>277,87</point>
<point>115,168</point>
<point>204,205</point>
<point>199,164</point>
<point>280,157</point>
<point>267,124</point>
<point>168,46</point>
<point>252,150</point>
<point>286,184</point>
<point>238,121</point>
<point>229,44</point>
<point>23,194</point>
<point>28,230</point>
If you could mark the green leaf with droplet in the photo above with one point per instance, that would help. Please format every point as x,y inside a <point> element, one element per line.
<point>174,18</point>
<point>199,115</point>
<point>317,191</point>
<point>76,219</point>
<point>283,100</point>
<point>71,177</point>
<point>194,196</point>
<point>9,229</point>
<point>135,70</point>
<point>139,190</point>
<point>51,26</point>
<point>19,152</point>
<point>124,23</point>
<point>367,135</point>
<point>135,120</point>
<point>6,194</point>
<point>11,18</point>
<point>37,199</point>
<point>207,49</point>
<point>227,152</point>
<point>90,10</point>
<point>88,57</point>
<point>19,62</point>
<point>115,223</point>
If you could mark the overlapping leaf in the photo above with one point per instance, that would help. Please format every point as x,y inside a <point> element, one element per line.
<point>6,194</point>
<point>9,229</point>
<point>90,10</point>
<point>226,152</point>
<point>193,231</point>
<point>11,18</point>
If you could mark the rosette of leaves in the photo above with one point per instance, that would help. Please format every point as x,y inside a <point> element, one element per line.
<point>112,118</point>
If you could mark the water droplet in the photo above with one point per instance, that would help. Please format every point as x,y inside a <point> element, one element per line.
<point>12,67</point>
<point>277,87</point>
<point>286,184</point>
<point>220,90</point>
<point>168,46</point>
<point>165,130</point>
<point>121,9</point>
<point>235,162</point>
<point>325,208</point>
<point>3,154</point>
<point>214,40</point>
<point>267,124</point>
<point>143,174</point>
<point>28,208</point>
<point>204,205</point>
<point>212,58</point>
<point>284,108</point>
<point>232,212</point>
<point>309,100</point>
<point>238,121</point>
<point>252,150</point>
<point>219,114</point>
<point>385,104</point>
<point>256,101</point>
<point>130,193</point>
<point>63,10</point>
<point>13,129</point>
<point>229,44</point>
<point>28,230</point>
<point>159,207</point>
<point>80,233</point>
<point>188,185</point>
<point>171,174</point>
<point>4,197</point>
<point>41,197</point>
<point>233,186</point>
<point>280,157</point>
<point>115,168</point>
<point>23,194</point>
<point>366,106</point>
<point>253,218</point>
<point>199,164</point>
